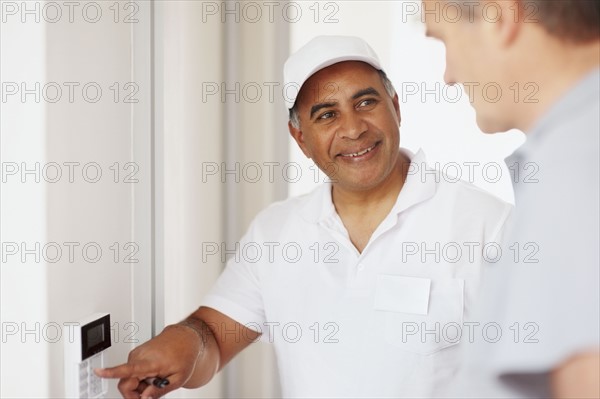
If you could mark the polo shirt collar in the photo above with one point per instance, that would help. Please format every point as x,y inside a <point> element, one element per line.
<point>418,188</point>
<point>319,206</point>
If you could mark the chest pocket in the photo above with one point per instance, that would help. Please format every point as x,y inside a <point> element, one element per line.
<point>421,315</point>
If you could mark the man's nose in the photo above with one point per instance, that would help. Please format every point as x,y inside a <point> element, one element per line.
<point>353,125</point>
<point>449,75</point>
<point>448,78</point>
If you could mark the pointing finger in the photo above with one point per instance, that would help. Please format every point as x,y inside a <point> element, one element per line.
<point>126,370</point>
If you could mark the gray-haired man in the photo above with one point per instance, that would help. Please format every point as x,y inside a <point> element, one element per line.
<point>546,298</point>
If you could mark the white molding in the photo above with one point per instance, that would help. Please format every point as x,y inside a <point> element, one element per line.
<point>142,147</point>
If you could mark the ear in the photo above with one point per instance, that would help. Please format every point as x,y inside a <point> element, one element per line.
<point>505,19</point>
<point>396,103</point>
<point>299,138</point>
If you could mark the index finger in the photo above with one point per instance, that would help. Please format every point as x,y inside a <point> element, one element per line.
<point>125,370</point>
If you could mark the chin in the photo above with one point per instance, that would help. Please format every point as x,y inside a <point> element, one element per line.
<point>489,126</point>
<point>358,185</point>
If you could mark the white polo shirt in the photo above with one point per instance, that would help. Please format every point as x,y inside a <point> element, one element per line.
<point>382,323</point>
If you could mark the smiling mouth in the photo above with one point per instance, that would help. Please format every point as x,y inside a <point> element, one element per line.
<point>359,153</point>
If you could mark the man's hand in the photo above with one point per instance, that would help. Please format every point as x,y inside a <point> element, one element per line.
<point>171,355</point>
<point>188,354</point>
<point>578,377</point>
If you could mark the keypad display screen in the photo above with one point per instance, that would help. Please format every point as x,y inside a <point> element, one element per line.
<point>95,337</point>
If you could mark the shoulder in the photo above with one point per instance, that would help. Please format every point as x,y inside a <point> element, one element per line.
<point>468,205</point>
<point>288,213</point>
<point>455,194</point>
<point>467,195</point>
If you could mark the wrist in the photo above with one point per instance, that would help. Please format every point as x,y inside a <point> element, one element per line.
<point>195,325</point>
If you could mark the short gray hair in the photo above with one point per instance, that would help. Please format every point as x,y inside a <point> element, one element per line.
<point>389,88</point>
<point>576,21</point>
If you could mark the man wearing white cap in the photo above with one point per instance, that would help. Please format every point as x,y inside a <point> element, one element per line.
<point>369,279</point>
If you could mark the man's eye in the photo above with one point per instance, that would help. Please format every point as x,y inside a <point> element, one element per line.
<point>366,102</point>
<point>326,115</point>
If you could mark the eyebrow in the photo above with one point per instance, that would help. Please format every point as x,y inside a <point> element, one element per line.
<point>369,91</point>
<point>364,92</point>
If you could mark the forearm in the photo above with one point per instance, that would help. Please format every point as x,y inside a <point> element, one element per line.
<point>208,360</point>
<point>205,327</point>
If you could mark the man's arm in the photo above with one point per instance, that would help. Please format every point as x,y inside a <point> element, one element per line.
<point>578,377</point>
<point>221,327</point>
<point>188,354</point>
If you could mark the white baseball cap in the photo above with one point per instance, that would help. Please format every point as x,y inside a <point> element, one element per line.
<point>319,53</point>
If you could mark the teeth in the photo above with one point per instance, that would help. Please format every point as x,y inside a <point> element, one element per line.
<point>357,154</point>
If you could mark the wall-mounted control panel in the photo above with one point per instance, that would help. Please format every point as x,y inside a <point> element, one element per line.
<point>85,352</point>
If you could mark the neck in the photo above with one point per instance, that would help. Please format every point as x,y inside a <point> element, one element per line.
<point>556,68</point>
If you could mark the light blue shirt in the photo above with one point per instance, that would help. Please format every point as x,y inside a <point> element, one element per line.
<point>544,293</point>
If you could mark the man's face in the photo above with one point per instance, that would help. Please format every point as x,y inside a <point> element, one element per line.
<point>472,58</point>
<point>349,125</point>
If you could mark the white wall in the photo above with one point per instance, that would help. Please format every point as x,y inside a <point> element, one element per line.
<point>47,294</point>
<point>22,215</point>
